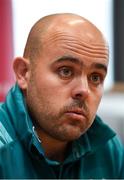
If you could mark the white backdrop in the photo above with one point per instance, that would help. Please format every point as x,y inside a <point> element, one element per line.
<point>27,12</point>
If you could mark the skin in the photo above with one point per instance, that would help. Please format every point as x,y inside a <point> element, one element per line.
<point>62,75</point>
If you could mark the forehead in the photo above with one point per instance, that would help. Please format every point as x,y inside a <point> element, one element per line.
<point>70,43</point>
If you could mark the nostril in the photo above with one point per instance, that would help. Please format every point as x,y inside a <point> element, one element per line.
<point>79,95</point>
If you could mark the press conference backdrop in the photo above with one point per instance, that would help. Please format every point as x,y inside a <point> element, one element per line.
<point>6,47</point>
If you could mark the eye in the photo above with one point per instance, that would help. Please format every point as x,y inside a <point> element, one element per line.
<point>96,78</point>
<point>65,72</point>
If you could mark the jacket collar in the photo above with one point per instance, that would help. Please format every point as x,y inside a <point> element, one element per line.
<point>96,136</point>
<point>16,107</point>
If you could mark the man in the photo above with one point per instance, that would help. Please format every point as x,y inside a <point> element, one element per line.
<point>48,125</point>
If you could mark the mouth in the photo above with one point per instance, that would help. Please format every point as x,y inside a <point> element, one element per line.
<point>77,114</point>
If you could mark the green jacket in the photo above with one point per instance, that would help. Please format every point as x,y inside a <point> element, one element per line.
<point>96,154</point>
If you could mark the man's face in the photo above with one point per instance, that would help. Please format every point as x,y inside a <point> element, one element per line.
<point>66,86</point>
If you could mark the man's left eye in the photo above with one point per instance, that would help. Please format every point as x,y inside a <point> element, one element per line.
<point>96,79</point>
<point>65,72</point>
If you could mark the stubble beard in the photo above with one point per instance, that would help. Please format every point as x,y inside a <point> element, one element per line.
<point>51,123</point>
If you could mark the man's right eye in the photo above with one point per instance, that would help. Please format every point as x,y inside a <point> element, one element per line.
<point>65,72</point>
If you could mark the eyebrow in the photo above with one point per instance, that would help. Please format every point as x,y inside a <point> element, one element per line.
<point>99,66</point>
<point>70,59</point>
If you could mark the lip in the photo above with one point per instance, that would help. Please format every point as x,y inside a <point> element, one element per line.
<point>77,113</point>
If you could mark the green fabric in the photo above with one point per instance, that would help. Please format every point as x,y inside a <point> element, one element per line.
<point>97,154</point>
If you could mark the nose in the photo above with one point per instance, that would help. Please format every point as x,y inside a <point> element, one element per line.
<point>80,89</point>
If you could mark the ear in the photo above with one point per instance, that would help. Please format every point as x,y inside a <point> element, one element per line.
<point>21,68</point>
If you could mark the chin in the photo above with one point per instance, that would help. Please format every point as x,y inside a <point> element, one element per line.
<point>68,132</point>
<point>70,135</point>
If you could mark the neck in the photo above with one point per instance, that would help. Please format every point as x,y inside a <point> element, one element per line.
<point>54,149</point>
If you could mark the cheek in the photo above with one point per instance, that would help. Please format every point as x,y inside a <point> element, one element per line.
<point>52,87</point>
<point>48,88</point>
<point>50,93</point>
<point>94,101</point>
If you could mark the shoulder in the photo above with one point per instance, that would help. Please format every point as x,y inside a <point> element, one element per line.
<point>115,150</point>
<point>116,147</point>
